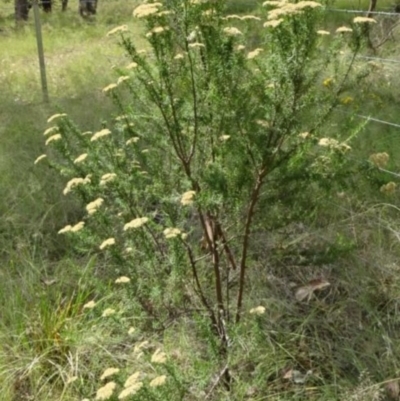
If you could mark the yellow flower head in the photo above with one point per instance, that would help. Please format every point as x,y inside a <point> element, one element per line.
<point>131,390</point>
<point>179,56</point>
<point>171,232</point>
<point>100,134</point>
<point>132,140</point>
<point>75,182</point>
<point>131,66</point>
<point>132,379</point>
<point>254,53</point>
<point>232,31</point>
<point>159,357</point>
<point>66,229</point>
<point>283,8</point>
<point>196,44</point>
<point>361,20</point>
<point>77,227</point>
<point>158,381</point>
<point>108,312</point>
<point>80,158</point>
<point>109,88</point>
<point>388,188</point>
<point>55,116</point>
<point>107,178</point>
<point>109,372</point>
<point>122,280</point>
<point>208,12</point>
<point>328,82</point>
<point>344,147</point>
<point>273,23</point>
<point>105,392</point>
<point>50,130</point>
<point>140,346</point>
<point>41,157</point>
<point>92,207</point>
<point>275,3</point>
<point>346,100</point>
<point>107,242</point>
<point>53,138</point>
<point>328,142</point>
<point>343,29</point>
<point>122,79</point>
<point>187,198</point>
<point>120,118</point>
<point>379,159</point>
<point>89,305</point>
<point>136,223</point>
<point>118,29</point>
<point>259,310</point>
<point>156,30</point>
<point>147,9</point>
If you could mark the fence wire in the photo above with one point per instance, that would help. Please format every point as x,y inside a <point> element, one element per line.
<point>383,60</point>
<point>349,11</point>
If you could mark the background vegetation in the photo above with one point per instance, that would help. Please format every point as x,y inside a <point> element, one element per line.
<point>341,344</point>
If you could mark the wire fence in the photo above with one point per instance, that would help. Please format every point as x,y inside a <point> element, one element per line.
<point>350,11</point>
<point>372,119</point>
<point>380,59</point>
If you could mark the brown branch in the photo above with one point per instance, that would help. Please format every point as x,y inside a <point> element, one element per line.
<point>226,247</point>
<point>198,284</point>
<point>247,229</point>
<point>388,35</point>
<point>211,233</point>
<point>207,224</point>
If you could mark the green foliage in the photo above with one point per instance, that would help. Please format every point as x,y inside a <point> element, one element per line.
<point>173,186</point>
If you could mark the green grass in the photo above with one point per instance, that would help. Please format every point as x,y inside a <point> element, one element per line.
<point>44,334</point>
<point>362,4</point>
<point>79,60</point>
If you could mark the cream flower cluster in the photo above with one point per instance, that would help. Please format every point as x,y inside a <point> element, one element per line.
<point>333,144</point>
<point>379,159</point>
<point>74,182</point>
<point>284,8</point>
<point>147,9</point>
<point>92,207</point>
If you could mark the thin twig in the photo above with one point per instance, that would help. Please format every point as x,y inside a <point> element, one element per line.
<point>216,381</point>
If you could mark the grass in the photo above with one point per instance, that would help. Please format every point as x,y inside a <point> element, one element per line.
<point>362,4</point>
<point>47,338</point>
<point>76,75</point>
<point>43,335</point>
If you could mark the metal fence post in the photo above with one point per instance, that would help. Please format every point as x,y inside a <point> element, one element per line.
<point>39,41</point>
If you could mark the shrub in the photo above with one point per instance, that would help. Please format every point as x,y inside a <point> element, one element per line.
<point>214,136</point>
